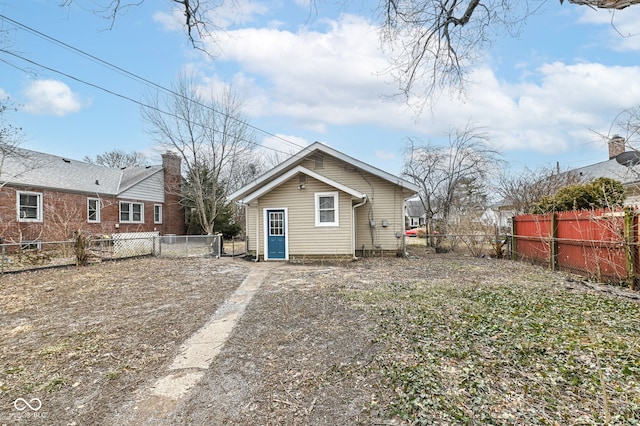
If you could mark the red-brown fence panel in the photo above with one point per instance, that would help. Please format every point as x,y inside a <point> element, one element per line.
<point>588,242</point>
<point>533,233</point>
<point>592,243</point>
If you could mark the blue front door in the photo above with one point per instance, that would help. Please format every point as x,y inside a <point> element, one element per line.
<point>276,238</point>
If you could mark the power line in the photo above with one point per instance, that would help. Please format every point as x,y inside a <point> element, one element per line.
<point>79,80</point>
<point>130,75</point>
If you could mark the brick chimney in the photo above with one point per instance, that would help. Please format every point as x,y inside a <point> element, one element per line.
<point>171,163</point>
<point>173,214</point>
<point>617,145</point>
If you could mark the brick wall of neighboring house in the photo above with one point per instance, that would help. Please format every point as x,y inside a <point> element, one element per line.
<point>174,212</point>
<point>65,213</point>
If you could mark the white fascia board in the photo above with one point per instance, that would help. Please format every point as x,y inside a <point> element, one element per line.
<point>299,169</point>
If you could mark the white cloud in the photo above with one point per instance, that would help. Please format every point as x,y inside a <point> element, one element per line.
<point>283,145</point>
<point>333,78</point>
<point>319,78</point>
<point>385,155</point>
<point>173,21</point>
<point>50,97</point>
<point>551,114</point>
<point>619,26</point>
<point>222,16</point>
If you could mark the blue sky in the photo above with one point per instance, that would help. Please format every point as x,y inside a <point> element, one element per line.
<point>540,96</point>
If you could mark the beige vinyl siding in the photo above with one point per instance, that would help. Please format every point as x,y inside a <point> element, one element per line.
<point>250,213</point>
<point>305,238</point>
<point>386,202</point>
<point>386,205</point>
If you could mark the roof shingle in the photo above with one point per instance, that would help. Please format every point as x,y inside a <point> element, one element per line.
<point>36,169</point>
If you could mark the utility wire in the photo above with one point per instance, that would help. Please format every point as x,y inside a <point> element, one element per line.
<point>111,92</point>
<point>131,75</point>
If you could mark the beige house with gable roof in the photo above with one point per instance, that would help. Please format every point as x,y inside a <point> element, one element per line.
<point>321,203</point>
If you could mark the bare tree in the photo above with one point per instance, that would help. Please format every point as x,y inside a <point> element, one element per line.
<point>442,172</point>
<point>627,124</point>
<point>605,4</point>
<point>197,13</point>
<point>118,159</point>
<point>521,192</point>
<point>9,133</point>
<point>213,140</point>
<point>10,138</point>
<point>433,43</point>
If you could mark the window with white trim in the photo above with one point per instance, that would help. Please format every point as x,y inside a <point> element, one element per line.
<point>29,206</point>
<point>93,210</point>
<point>157,213</point>
<point>276,224</point>
<point>326,209</point>
<point>131,212</point>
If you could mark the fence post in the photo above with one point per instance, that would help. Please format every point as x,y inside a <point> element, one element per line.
<point>514,248</point>
<point>3,258</point>
<point>630,242</point>
<point>553,243</point>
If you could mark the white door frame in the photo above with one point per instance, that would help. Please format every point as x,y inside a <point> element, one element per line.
<point>265,236</point>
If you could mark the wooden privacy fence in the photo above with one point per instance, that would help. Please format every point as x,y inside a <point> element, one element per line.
<point>601,244</point>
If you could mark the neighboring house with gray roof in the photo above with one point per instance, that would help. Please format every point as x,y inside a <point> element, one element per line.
<point>622,165</point>
<point>415,213</point>
<point>44,197</point>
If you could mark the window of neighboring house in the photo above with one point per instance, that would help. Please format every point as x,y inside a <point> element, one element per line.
<point>157,213</point>
<point>29,206</point>
<point>93,210</point>
<point>131,212</point>
<point>326,209</point>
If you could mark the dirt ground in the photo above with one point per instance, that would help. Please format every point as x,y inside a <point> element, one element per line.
<point>85,341</point>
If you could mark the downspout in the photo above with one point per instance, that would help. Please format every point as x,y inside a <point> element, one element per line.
<point>257,234</point>
<point>246,247</point>
<point>353,221</point>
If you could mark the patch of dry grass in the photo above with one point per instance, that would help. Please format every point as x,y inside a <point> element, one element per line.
<point>475,350</point>
<point>434,339</point>
<point>82,340</point>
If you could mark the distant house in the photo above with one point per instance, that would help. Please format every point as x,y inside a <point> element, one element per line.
<point>44,197</point>
<point>622,165</point>
<point>416,214</point>
<point>322,203</point>
<point>498,215</point>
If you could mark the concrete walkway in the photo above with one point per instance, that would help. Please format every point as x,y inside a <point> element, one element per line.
<point>196,354</point>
